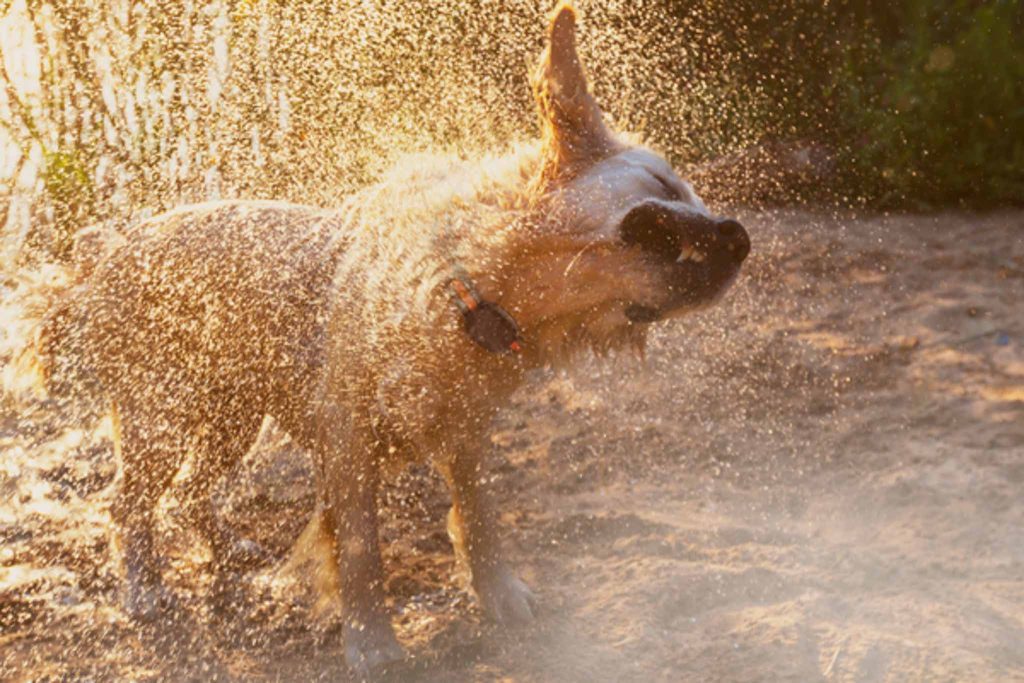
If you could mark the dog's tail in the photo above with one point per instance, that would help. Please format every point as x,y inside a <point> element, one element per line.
<point>42,346</point>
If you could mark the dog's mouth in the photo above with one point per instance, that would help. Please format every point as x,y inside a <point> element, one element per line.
<point>693,282</point>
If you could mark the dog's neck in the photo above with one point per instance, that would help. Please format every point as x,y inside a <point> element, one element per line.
<point>508,241</point>
<point>526,275</point>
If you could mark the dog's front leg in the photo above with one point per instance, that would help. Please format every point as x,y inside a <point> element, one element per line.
<point>349,462</point>
<point>472,526</point>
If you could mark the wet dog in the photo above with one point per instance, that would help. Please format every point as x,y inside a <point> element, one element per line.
<point>390,328</point>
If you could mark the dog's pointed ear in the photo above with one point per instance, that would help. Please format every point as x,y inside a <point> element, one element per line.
<point>573,129</point>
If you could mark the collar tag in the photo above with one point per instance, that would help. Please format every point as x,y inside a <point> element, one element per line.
<point>486,323</point>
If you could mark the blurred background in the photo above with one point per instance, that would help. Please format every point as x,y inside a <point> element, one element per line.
<point>111,109</point>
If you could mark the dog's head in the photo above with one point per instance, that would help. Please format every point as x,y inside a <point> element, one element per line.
<point>625,242</point>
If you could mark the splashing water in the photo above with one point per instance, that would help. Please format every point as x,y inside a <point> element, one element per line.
<point>112,111</point>
<point>115,110</point>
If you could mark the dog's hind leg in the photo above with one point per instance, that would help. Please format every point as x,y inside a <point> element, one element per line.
<point>151,447</point>
<point>219,446</point>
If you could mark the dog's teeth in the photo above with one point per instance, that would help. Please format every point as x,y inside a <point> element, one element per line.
<point>685,254</point>
<point>690,253</point>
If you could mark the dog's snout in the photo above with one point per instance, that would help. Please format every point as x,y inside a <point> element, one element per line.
<point>736,239</point>
<point>685,238</point>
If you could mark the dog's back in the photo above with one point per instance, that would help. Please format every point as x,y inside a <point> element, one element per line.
<point>218,299</point>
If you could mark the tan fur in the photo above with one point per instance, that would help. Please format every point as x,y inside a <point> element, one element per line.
<point>572,127</point>
<point>339,323</point>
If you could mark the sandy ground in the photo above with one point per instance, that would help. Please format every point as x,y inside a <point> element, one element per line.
<point>818,480</point>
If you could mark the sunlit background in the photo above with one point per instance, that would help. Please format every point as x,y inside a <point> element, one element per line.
<point>109,109</point>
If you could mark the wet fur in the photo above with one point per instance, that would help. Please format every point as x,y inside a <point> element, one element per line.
<point>339,324</point>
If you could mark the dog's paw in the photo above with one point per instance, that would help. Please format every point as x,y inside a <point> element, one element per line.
<point>506,599</point>
<point>371,650</point>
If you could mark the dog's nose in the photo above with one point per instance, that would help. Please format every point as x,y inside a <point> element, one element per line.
<point>735,238</point>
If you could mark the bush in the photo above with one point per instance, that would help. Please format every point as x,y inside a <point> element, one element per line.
<point>933,104</point>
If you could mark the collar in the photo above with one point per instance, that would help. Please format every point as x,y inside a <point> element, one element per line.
<point>486,323</point>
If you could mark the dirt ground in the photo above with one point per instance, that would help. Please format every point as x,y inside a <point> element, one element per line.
<point>818,480</point>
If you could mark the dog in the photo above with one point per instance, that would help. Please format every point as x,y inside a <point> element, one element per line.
<point>388,329</point>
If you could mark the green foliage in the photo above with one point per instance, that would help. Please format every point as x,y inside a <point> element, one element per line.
<point>69,189</point>
<point>933,104</point>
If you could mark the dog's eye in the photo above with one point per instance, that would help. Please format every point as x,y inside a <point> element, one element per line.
<point>670,191</point>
